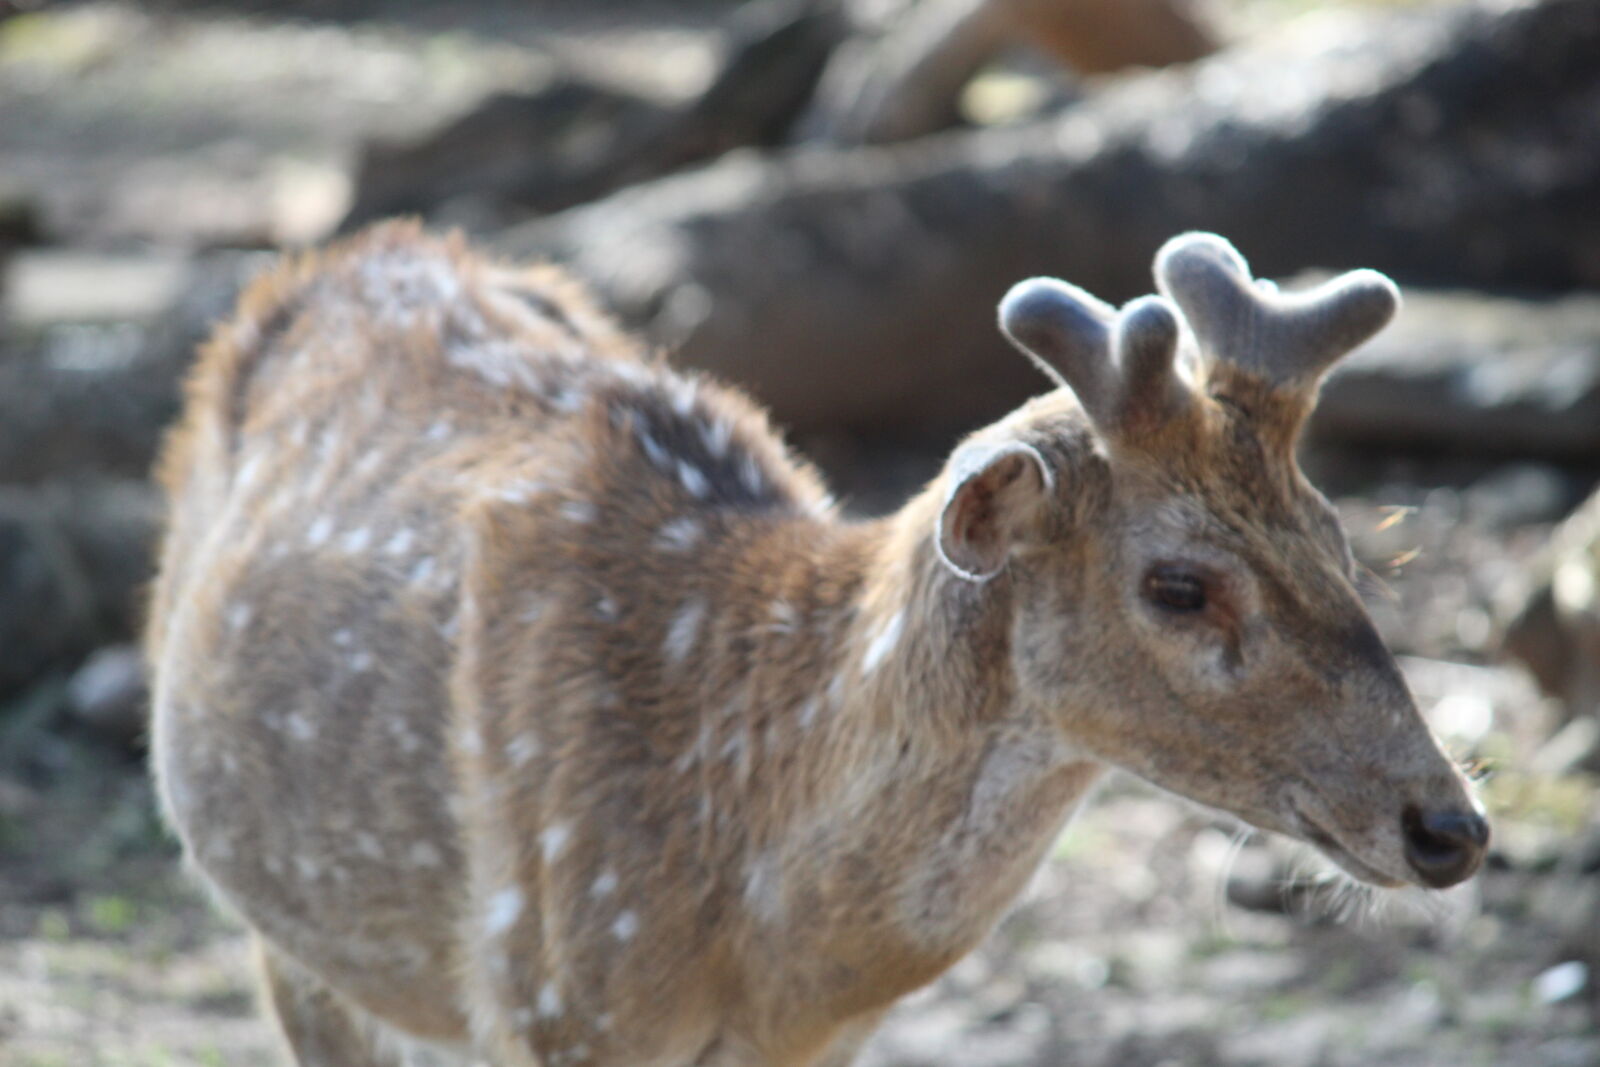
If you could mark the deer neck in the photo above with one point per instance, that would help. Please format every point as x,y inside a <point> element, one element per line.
<point>925,793</point>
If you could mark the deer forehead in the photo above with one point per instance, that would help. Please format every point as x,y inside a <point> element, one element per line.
<point>1288,537</point>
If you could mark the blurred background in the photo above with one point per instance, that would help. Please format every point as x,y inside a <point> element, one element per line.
<point>822,200</point>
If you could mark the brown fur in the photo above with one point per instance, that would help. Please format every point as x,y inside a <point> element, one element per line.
<point>525,695</point>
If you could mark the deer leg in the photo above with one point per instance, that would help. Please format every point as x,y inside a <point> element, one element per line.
<point>319,1027</point>
<point>842,1052</point>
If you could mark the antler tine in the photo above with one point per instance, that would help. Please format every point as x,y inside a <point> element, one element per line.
<point>1067,333</point>
<point>1146,342</point>
<point>1289,340</point>
<point>1119,363</point>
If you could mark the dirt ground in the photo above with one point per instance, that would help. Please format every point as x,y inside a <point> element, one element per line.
<point>1155,935</point>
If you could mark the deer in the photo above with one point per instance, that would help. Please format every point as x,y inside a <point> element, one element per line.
<point>530,702</point>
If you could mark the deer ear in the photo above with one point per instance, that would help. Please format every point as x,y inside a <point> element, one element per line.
<point>996,490</point>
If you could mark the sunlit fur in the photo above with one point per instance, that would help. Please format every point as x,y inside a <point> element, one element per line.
<point>524,694</point>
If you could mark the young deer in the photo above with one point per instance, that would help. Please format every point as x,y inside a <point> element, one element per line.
<point>526,697</point>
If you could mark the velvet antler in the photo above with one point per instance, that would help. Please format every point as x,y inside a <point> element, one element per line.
<point>1118,363</point>
<point>1288,340</point>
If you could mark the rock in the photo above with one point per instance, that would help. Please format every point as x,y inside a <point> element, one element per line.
<point>108,694</point>
<point>50,287</point>
<point>1520,494</point>
<point>89,399</point>
<point>1567,749</point>
<point>1461,702</point>
<point>1473,374</point>
<point>575,140</point>
<point>74,558</point>
<point>1259,880</point>
<point>19,225</point>
<point>546,148</point>
<point>1552,616</point>
<point>903,76</point>
<point>857,287</point>
<point>1560,983</point>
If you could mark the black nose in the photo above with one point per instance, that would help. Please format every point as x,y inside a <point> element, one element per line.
<point>1444,847</point>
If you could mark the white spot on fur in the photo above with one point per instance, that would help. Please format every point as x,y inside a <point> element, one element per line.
<point>343,637</point>
<point>249,471</point>
<point>369,846</point>
<point>626,926</point>
<point>471,741</point>
<point>319,531</point>
<point>239,615</point>
<point>750,475</point>
<point>356,541</point>
<point>368,464</point>
<point>422,571</point>
<point>553,840</point>
<point>437,430</point>
<point>534,611</point>
<point>580,511</point>
<point>549,1001</point>
<point>679,535</point>
<point>763,889</point>
<point>836,690</point>
<point>568,399</point>
<point>401,542</point>
<point>784,618</point>
<point>404,286</point>
<point>655,450</point>
<point>307,868</point>
<point>423,854</point>
<point>301,728</point>
<point>693,479</point>
<point>522,749</point>
<point>634,374</point>
<point>604,885</point>
<point>695,752</point>
<point>683,630</point>
<point>502,910</point>
<point>327,441</point>
<point>882,644</point>
<point>404,736</point>
<point>716,434</point>
<point>499,362</point>
<point>360,662</point>
<point>808,713</point>
<point>682,392</point>
<point>607,609</point>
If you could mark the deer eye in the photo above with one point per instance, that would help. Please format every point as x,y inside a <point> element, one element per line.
<point>1176,590</point>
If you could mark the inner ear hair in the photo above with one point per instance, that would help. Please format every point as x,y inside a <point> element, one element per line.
<point>995,492</point>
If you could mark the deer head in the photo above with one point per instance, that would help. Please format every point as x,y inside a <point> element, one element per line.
<point>1183,599</point>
